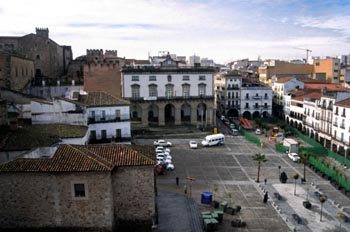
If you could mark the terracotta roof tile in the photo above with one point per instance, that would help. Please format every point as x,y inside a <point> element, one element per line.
<point>284,79</point>
<point>345,102</point>
<point>313,95</point>
<point>328,86</point>
<point>102,99</point>
<point>84,158</point>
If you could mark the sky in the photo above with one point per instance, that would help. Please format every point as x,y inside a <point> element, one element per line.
<point>215,29</point>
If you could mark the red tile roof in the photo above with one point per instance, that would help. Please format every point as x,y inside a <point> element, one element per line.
<point>328,86</point>
<point>313,95</point>
<point>284,79</point>
<point>345,102</point>
<point>85,158</point>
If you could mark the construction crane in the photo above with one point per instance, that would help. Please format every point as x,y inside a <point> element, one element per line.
<point>307,52</point>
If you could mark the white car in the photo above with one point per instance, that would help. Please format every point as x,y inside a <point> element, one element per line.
<point>162,143</point>
<point>162,149</point>
<point>193,144</point>
<point>294,156</point>
<point>170,167</point>
<point>258,132</point>
<point>167,161</point>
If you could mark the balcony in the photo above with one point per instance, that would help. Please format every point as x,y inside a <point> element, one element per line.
<point>335,124</point>
<point>246,107</point>
<point>257,97</point>
<point>246,98</point>
<point>232,88</point>
<point>107,119</point>
<point>336,113</point>
<point>343,115</point>
<point>342,126</point>
<point>266,97</point>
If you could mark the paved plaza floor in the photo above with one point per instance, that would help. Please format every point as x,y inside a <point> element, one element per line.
<point>230,173</point>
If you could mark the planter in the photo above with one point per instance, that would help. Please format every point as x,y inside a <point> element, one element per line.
<point>307,204</point>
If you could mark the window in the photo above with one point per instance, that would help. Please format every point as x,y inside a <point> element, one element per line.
<point>135,78</point>
<point>92,134</point>
<point>79,190</point>
<point>265,95</point>
<point>92,114</point>
<point>103,134</point>
<point>265,105</point>
<point>16,72</point>
<point>169,78</point>
<point>256,105</point>
<point>118,133</point>
<point>37,57</point>
<point>201,89</point>
<point>103,115</point>
<point>135,91</point>
<point>202,78</point>
<point>186,78</point>
<point>317,63</point>
<point>152,78</point>
<point>229,94</point>
<point>169,91</point>
<point>186,90</point>
<point>247,96</point>
<point>117,114</point>
<point>247,105</point>
<point>152,89</point>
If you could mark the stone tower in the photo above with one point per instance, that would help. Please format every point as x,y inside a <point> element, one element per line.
<point>43,32</point>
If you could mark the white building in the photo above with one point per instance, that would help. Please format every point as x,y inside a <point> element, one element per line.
<point>237,97</point>
<point>169,94</point>
<point>194,60</point>
<point>341,127</point>
<point>283,86</point>
<point>107,117</point>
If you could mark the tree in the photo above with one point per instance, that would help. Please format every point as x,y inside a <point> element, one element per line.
<point>295,177</point>
<point>322,200</point>
<point>260,158</point>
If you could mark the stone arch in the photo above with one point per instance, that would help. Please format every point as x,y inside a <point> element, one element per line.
<point>287,120</point>
<point>201,111</point>
<point>316,137</point>
<point>247,115</point>
<point>153,114</point>
<point>169,114</point>
<point>256,114</point>
<point>233,113</point>
<point>136,113</point>
<point>186,113</point>
<point>312,135</point>
<point>295,124</point>
<point>265,114</point>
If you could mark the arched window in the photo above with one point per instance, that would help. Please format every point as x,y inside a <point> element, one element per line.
<point>201,89</point>
<point>135,91</point>
<point>186,90</point>
<point>153,90</point>
<point>169,91</point>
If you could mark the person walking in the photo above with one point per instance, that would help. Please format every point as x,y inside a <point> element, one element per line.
<point>177,181</point>
<point>265,180</point>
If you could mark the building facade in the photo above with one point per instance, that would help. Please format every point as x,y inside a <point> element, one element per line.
<point>330,67</point>
<point>78,188</point>
<point>102,72</point>
<point>107,117</point>
<point>16,72</point>
<point>169,94</point>
<point>239,97</point>
<point>50,59</point>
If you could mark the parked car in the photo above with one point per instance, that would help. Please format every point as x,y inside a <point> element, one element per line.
<point>258,132</point>
<point>170,167</point>
<point>222,117</point>
<point>232,126</point>
<point>193,144</point>
<point>288,134</point>
<point>294,156</point>
<point>235,132</point>
<point>163,149</point>
<point>162,143</point>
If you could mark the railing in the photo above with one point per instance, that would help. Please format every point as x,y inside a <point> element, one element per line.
<point>343,115</point>
<point>257,97</point>
<point>335,124</point>
<point>342,126</point>
<point>107,118</point>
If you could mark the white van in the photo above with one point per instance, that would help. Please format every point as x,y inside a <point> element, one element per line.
<point>212,140</point>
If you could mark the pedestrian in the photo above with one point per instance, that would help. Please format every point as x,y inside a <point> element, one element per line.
<point>266,197</point>
<point>185,189</point>
<point>177,181</point>
<point>265,180</point>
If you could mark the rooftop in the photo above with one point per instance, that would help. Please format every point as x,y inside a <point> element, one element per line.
<point>345,102</point>
<point>84,158</point>
<point>33,136</point>
<point>93,99</point>
<point>284,79</point>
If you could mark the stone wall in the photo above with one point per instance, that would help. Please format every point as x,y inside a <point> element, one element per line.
<point>30,200</point>
<point>104,77</point>
<point>22,72</point>
<point>134,195</point>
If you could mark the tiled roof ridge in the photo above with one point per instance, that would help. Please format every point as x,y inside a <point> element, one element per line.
<point>91,155</point>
